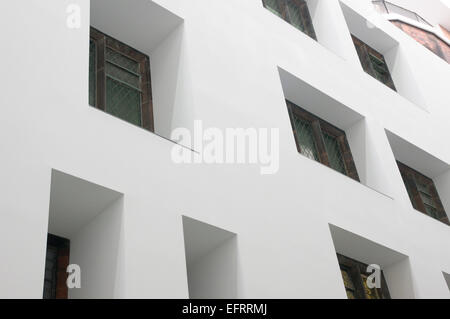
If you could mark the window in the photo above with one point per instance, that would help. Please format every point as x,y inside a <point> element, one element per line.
<point>321,141</point>
<point>354,275</point>
<point>373,63</point>
<point>119,80</point>
<point>423,193</point>
<point>294,12</point>
<point>56,262</point>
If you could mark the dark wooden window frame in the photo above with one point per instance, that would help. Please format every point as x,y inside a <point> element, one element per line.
<point>355,269</point>
<point>410,176</point>
<point>364,52</point>
<point>104,41</point>
<point>62,262</point>
<point>308,27</point>
<point>318,126</point>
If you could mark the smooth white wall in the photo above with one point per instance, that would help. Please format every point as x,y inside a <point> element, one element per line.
<point>96,248</point>
<point>399,280</point>
<point>231,50</point>
<point>442,183</point>
<point>215,275</point>
<point>331,30</point>
<point>403,77</point>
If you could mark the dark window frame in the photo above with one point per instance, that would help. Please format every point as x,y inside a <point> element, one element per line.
<point>59,288</point>
<point>319,126</point>
<point>306,20</point>
<point>356,269</point>
<point>102,42</point>
<point>366,56</point>
<point>410,178</point>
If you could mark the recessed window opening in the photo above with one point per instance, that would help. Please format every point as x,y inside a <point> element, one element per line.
<point>321,141</point>
<point>373,63</point>
<point>354,275</point>
<point>119,80</point>
<point>423,193</point>
<point>56,262</point>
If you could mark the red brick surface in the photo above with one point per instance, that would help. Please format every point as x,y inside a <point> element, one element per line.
<point>427,39</point>
<point>446,32</point>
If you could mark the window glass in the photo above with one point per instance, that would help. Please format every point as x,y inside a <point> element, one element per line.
<point>334,152</point>
<point>119,80</point>
<point>305,138</point>
<point>123,101</point>
<point>121,75</point>
<point>294,12</point>
<point>321,141</point>
<point>50,272</point>
<point>56,262</point>
<point>423,193</point>
<point>295,16</point>
<point>349,286</point>
<point>355,277</point>
<point>122,61</point>
<point>373,63</point>
<point>272,5</point>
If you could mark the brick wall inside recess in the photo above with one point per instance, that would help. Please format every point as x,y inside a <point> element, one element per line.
<point>427,39</point>
<point>446,32</point>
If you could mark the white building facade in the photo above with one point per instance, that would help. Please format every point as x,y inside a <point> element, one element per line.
<point>142,225</point>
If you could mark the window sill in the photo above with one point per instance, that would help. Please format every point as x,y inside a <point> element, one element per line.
<point>347,177</point>
<point>443,220</point>
<point>140,128</point>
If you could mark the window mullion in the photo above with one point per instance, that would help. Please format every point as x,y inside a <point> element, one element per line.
<point>363,55</point>
<point>101,73</point>
<point>347,157</point>
<point>411,180</point>
<point>318,137</point>
<point>283,9</point>
<point>357,281</point>
<point>146,96</point>
<point>370,65</point>
<point>306,19</point>
<point>292,118</point>
<point>437,201</point>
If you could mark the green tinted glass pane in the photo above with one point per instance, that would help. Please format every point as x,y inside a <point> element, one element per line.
<point>272,5</point>
<point>305,138</point>
<point>427,199</point>
<point>92,72</point>
<point>334,153</point>
<point>121,60</point>
<point>120,74</point>
<point>431,211</point>
<point>378,64</point>
<point>380,68</point>
<point>123,101</point>
<point>423,189</point>
<point>295,16</point>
